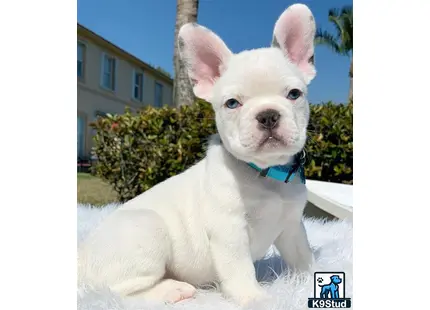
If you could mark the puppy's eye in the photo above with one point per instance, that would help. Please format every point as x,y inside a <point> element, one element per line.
<point>232,103</point>
<point>294,94</point>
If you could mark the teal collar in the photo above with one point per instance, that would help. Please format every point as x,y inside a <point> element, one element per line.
<point>285,173</point>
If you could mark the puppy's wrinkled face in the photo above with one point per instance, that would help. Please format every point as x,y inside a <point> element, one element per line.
<point>259,96</point>
<point>261,107</point>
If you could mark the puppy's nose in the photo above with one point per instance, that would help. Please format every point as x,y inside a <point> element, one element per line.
<point>268,118</point>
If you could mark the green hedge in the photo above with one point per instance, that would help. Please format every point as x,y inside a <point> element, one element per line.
<point>329,146</point>
<point>135,152</point>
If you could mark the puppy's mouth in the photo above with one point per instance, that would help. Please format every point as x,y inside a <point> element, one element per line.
<point>271,141</point>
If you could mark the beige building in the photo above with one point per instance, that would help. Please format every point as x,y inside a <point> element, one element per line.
<point>110,79</point>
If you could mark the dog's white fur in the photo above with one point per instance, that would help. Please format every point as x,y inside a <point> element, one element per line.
<point>211,222</point>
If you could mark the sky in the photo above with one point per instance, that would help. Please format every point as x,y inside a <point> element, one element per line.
<point>145,29</point>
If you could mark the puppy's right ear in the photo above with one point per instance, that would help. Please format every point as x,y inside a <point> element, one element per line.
<point>294,34</point>
<point>204,55</point>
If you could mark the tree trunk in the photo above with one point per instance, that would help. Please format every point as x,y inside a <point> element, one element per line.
<point>350,82</point>
<point>186,12</point>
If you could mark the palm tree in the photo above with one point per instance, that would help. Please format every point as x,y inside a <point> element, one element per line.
<point>186,12</point>
<point>341,43</point>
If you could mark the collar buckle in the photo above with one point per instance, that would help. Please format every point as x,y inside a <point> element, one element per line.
<point>285,173</point>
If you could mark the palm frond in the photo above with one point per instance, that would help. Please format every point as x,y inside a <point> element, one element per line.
<point>337,23</point>
<point>346,10</point>
<point>327,39</point>
<point>333,12</point>
<point>347,21</point>
<point>341,42</point>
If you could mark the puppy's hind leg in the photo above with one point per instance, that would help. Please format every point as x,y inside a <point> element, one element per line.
<point>142,257</point>
<point>135,286</point>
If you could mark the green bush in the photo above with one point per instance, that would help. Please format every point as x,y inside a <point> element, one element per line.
<point>137,151</point>
<point>329,145</point>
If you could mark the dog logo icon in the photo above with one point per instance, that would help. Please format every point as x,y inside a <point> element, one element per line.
<point>329,291</point>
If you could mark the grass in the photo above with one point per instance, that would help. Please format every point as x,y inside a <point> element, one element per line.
<point>94,191</point>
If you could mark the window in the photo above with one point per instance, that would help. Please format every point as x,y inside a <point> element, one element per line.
<point>138,85</point>
<point>108,72</point>
<point>81,136</point>
<point>81,60</point>
<point>158,95</point>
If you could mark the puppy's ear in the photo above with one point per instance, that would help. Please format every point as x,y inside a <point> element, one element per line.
<point>294,34</point>
<point>204,55</point>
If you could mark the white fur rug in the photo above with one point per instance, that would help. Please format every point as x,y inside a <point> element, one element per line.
<point>332,243</point>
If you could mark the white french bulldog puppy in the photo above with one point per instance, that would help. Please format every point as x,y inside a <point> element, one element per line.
<point>211,222</point>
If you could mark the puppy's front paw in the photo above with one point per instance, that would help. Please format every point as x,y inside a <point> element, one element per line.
<point>170,291</point>
<point>246,298</point>
<point>245,303</point>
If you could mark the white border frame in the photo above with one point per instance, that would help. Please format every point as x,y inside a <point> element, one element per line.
<point>391,172</point>
<point>391,218</point>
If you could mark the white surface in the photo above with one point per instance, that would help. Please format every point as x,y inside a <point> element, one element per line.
<point>334,198</point>
<point>331,241</point>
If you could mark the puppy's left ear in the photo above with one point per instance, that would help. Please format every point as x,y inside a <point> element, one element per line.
<point>205,56</point>
<point>294,34</point>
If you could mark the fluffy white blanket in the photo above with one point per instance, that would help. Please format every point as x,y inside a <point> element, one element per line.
<point>332,243</point>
